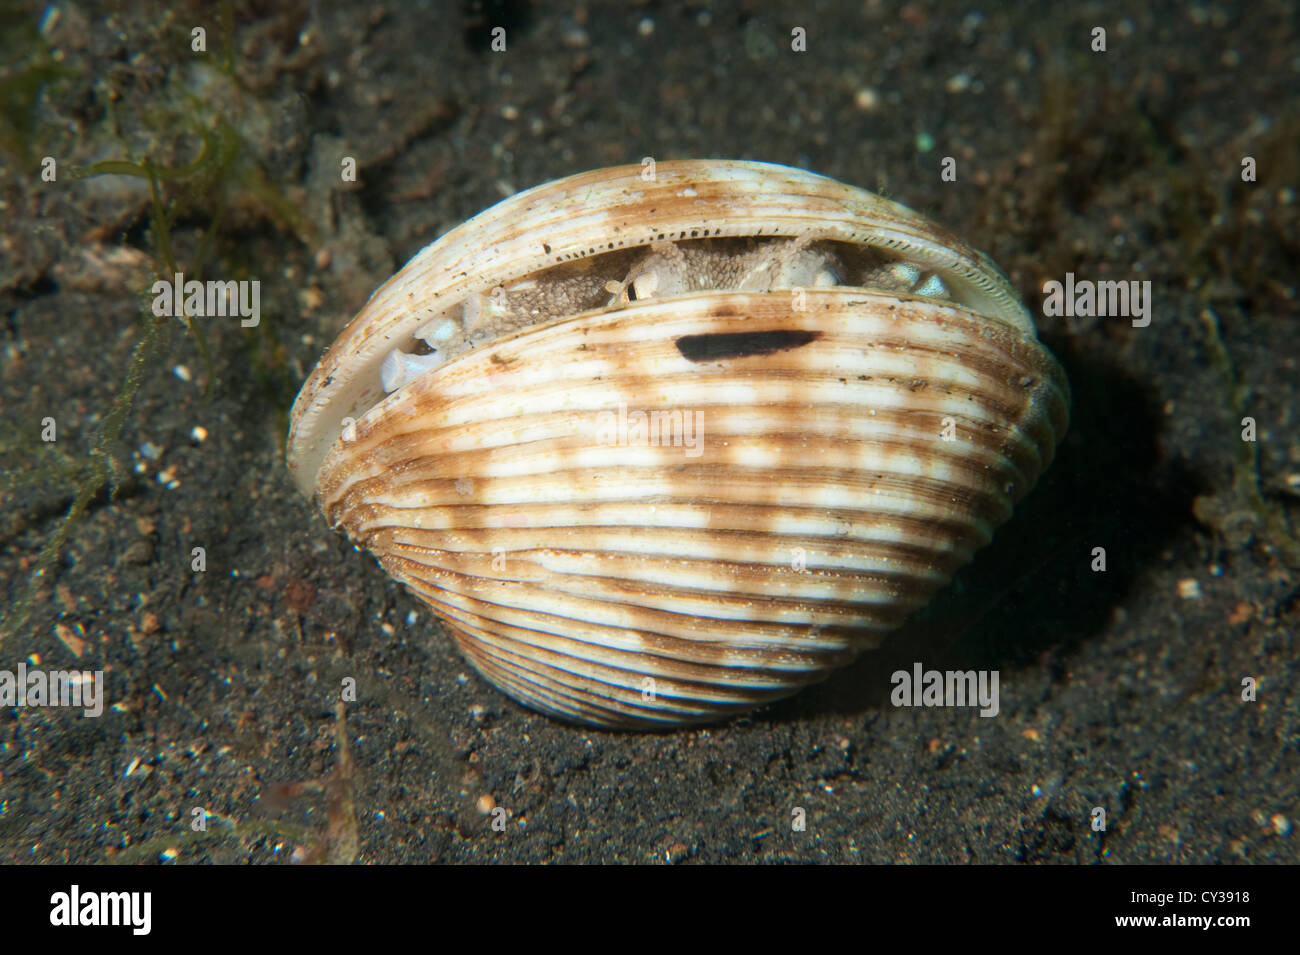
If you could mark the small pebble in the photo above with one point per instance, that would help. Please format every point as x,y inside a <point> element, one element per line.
<point>69,639</point>
<point>958,83</point>
<point>866,99</point>
<point>311,298</point>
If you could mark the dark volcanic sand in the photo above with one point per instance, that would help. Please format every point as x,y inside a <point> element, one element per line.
<point>1119,689</point>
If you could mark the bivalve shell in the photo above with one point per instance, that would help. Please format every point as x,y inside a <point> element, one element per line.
<point>661,451</point>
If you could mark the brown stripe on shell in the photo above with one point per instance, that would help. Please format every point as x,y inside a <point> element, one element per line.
<point>725,590</point>
<point>590,647</point>
<point>605,604</point>
<point>886,553</point>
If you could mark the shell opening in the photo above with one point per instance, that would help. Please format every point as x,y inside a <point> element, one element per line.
<point>665,269</point>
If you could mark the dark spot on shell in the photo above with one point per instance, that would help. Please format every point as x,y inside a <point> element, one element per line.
<point>741,344</point>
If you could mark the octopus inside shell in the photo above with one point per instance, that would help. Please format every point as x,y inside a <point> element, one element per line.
<point>661,444</point>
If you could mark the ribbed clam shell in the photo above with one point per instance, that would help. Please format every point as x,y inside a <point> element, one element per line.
<point>606,210</point>
<point>620,580</point>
